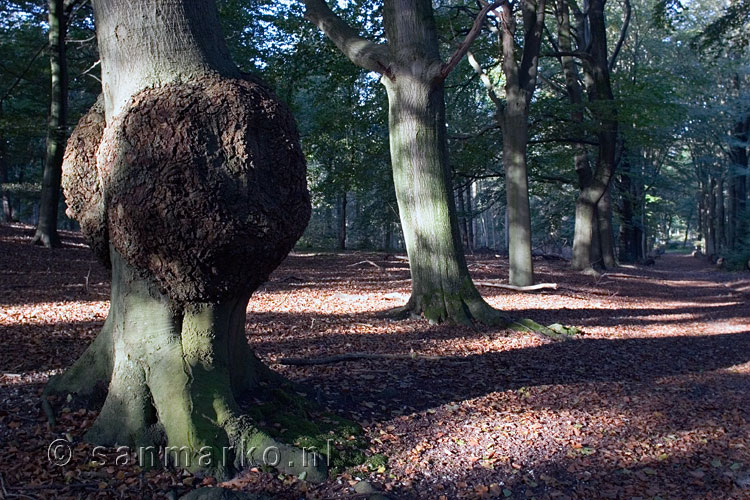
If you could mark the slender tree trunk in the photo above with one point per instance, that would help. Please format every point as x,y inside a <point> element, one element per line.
<point>471,237</point>
<point>711,248</point>
<point>463,218</point>
<point>731,210</point>
<point>606,232</point>
<point>627,214</point>
<point>173,352</point>
<point>720,215</point>
<point>342,221</point>
<point>46,230</point>
<point>4,177</point>
<point>738,174</point>
<point>520,83</point>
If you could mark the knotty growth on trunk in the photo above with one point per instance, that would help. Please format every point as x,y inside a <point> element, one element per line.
<point>189,182</point>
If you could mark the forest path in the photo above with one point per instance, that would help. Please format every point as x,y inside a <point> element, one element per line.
<point>652,401</point>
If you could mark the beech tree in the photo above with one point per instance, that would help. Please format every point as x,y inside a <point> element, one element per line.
<point>413,74</point>
<point>46,229</point>
<point>520,67</point>
<point>188,181</point>
<point>593,241</point>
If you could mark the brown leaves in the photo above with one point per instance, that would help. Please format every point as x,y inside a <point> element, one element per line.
<point>652,402</point>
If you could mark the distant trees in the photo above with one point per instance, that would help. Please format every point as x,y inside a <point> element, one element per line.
<point>677,166</point>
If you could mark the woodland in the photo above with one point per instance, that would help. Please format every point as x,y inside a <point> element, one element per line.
<point>398,249</point>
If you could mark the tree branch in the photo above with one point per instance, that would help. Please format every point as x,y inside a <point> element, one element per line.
<point>578,54</point>
<point>23,73</point>
<point>463,48</point>
<point>485,80</point>
<point>623,34</point>
<point>362,52</point>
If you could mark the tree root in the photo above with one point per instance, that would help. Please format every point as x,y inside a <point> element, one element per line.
<point>352,356</point>
<point>554,331</point>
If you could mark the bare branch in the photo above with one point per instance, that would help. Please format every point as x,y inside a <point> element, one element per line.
<point>485,79</point>
<point>23,73</point>
<point>623,34</point>
<point>362,52</point>
<point>463,48</point>
<point>580,55</point>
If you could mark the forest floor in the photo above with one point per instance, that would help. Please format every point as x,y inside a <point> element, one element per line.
<point>651,402</point>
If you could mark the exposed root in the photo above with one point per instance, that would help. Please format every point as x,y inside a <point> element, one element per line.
<point>555,331</point>
<point>458,309</point>
<point>89,376</point>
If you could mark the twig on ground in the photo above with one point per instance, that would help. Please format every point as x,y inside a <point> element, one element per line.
<point>530,288</point>
<point>365,262</point>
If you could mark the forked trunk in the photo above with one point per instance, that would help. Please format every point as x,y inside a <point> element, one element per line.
<point>442,289</point>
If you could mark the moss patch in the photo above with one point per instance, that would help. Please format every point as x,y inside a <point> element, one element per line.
<point>291,418</point>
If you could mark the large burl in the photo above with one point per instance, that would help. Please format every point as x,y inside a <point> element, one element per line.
<point>200,186</point>
<point>192,193</point>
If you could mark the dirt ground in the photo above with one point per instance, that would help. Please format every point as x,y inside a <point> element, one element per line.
<point>652,401</point>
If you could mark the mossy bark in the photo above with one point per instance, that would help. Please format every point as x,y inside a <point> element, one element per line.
<point>199,193</point>
<point>442,289</point>
<point>176,377</point>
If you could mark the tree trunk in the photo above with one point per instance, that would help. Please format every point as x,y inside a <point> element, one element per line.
<point>46,230</point>
<point>4,177</point>
<point>720,215</point>
<point>342,222</point>
<point>711,217</point>
<point>173,353</point>
<point>594,184</point>
<point>606,232</point>
<point>515,138</point>
<point>441,285</point>
<point>738,158</point>
<point>463,218</point>
<point>413,75</point>
<point>520,83</point>
<point>471,236</point>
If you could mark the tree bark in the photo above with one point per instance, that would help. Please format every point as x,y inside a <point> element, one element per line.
<point>342,221</point>
<point>606,232</point>
<point>738,157</point>
<point>413,76</point>
<point>592,41</point>
<point>46,230</point>
<point>720,215</point>
<point>520,83</point>
<point>173,354</point>
<point>711,248</point>
<point>4,177</point>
